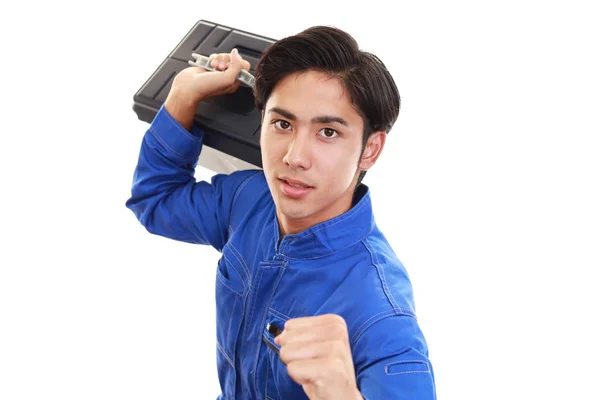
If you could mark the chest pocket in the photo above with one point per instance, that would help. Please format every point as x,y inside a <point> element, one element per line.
<point>274,325</point>
<point>231,290</point>
<point>278,383</point>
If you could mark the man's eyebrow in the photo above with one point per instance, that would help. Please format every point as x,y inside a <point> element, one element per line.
<point>283,112</point>
<point>323,119</point>
<point>328,119</point>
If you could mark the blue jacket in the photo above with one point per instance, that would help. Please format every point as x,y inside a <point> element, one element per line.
<point>342,266</point>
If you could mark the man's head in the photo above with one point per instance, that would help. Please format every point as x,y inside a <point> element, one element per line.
<point>327,107</point>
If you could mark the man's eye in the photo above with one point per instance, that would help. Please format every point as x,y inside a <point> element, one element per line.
<point>283,125</point>
<point>328,133</point>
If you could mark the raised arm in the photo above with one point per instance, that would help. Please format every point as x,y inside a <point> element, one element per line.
<point>165,196</point>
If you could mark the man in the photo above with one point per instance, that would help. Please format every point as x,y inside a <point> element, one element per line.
<point>311,300</point>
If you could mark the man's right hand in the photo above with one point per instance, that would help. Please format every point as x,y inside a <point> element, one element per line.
<point>195,84</point>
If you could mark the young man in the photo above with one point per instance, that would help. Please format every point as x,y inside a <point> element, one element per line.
<point>311,300</point>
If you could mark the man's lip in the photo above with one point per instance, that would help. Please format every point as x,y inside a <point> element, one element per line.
<point>294,182</point>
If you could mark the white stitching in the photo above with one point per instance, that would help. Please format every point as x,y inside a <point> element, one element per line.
<point>275,285</point>
<point>280,314</point>
<point>253,305</point>
<point>342,218</point>
<point>267,379</point>
<point>240,259</point>
<point>333,252</point>
<point>381,274</point>
<point>403,362</point>
<point>222,280</point>
<point>386,368</point>
<point>231,319</point>
<point>235,269</point>
<point>330,224</point>
<point>358,330</point>
<point>167,147</point>
<point>239,190</point>
<point>181,129</point>
<point>225,355</point>
<point>407,372</point>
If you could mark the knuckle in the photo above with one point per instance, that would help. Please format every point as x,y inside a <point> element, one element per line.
<point>338,331</point>
<point>284,353</point>
<point>292,369</point>
<point>334,319</point>
<point>332,366</point>
<point>332,347</point>
<point>336,349</point>
<point>339,347</point>
<point>338,320</point>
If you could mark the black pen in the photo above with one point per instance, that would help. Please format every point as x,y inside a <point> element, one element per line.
<point>275,331</point>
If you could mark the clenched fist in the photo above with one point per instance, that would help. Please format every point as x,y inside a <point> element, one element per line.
<point>317,353</point>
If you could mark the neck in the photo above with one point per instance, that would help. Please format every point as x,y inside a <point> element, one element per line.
<point>290,226</point>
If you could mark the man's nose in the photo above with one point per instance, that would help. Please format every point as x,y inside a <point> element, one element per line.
<point>299,151</point>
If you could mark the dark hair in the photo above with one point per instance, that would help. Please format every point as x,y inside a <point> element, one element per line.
<point>330,50</point>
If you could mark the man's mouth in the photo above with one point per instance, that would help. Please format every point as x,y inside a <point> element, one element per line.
<point>294,189</point>
<point>295,183</point>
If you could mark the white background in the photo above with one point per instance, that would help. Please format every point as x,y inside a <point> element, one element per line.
<point>488,189</point>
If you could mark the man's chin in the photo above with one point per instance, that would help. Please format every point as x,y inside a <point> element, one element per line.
<point>294,214</point>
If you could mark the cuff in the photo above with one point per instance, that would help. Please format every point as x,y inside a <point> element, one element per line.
<point>175,137</point>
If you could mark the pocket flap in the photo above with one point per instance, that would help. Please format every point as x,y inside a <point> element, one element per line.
<point>406,367</point>
<point>274,325</point>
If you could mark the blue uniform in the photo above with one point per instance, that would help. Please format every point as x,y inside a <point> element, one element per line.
<point>342,266</point>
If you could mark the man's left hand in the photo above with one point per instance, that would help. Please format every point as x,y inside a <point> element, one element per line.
<point>317,353</point>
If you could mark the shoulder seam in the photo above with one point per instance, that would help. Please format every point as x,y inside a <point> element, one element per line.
<point>393,312</point>
<point>241,186</point>
<point>381,273</point>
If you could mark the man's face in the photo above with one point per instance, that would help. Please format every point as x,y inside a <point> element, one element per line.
<point>311,140</point>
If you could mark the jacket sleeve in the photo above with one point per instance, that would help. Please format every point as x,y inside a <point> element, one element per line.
<point>165,196</point>
<point>391,361</point>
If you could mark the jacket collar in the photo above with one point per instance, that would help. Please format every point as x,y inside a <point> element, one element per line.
<point>332,235</point>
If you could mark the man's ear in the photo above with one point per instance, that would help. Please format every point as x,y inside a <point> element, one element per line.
<point>372,150</point>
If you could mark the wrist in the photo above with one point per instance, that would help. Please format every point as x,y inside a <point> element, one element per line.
<point>181,109</point>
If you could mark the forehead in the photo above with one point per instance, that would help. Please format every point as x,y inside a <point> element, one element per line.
<point>310,94</point>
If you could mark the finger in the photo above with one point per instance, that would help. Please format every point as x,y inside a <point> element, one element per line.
<point>219,60</point>
<point>321,333</point>
<point>324,319</point>
<point>246,65</point>
<point>235,65</point>
<point>223,64</point>
<point>307,350</point>
<point>315,371</point>
<point>316,327</point>
<point>222,61</point>
<point>214,60</point>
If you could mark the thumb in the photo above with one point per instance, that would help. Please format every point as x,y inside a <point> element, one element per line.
<point>235,65</point>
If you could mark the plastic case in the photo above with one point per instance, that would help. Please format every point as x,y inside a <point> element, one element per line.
<point>231,122</point>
